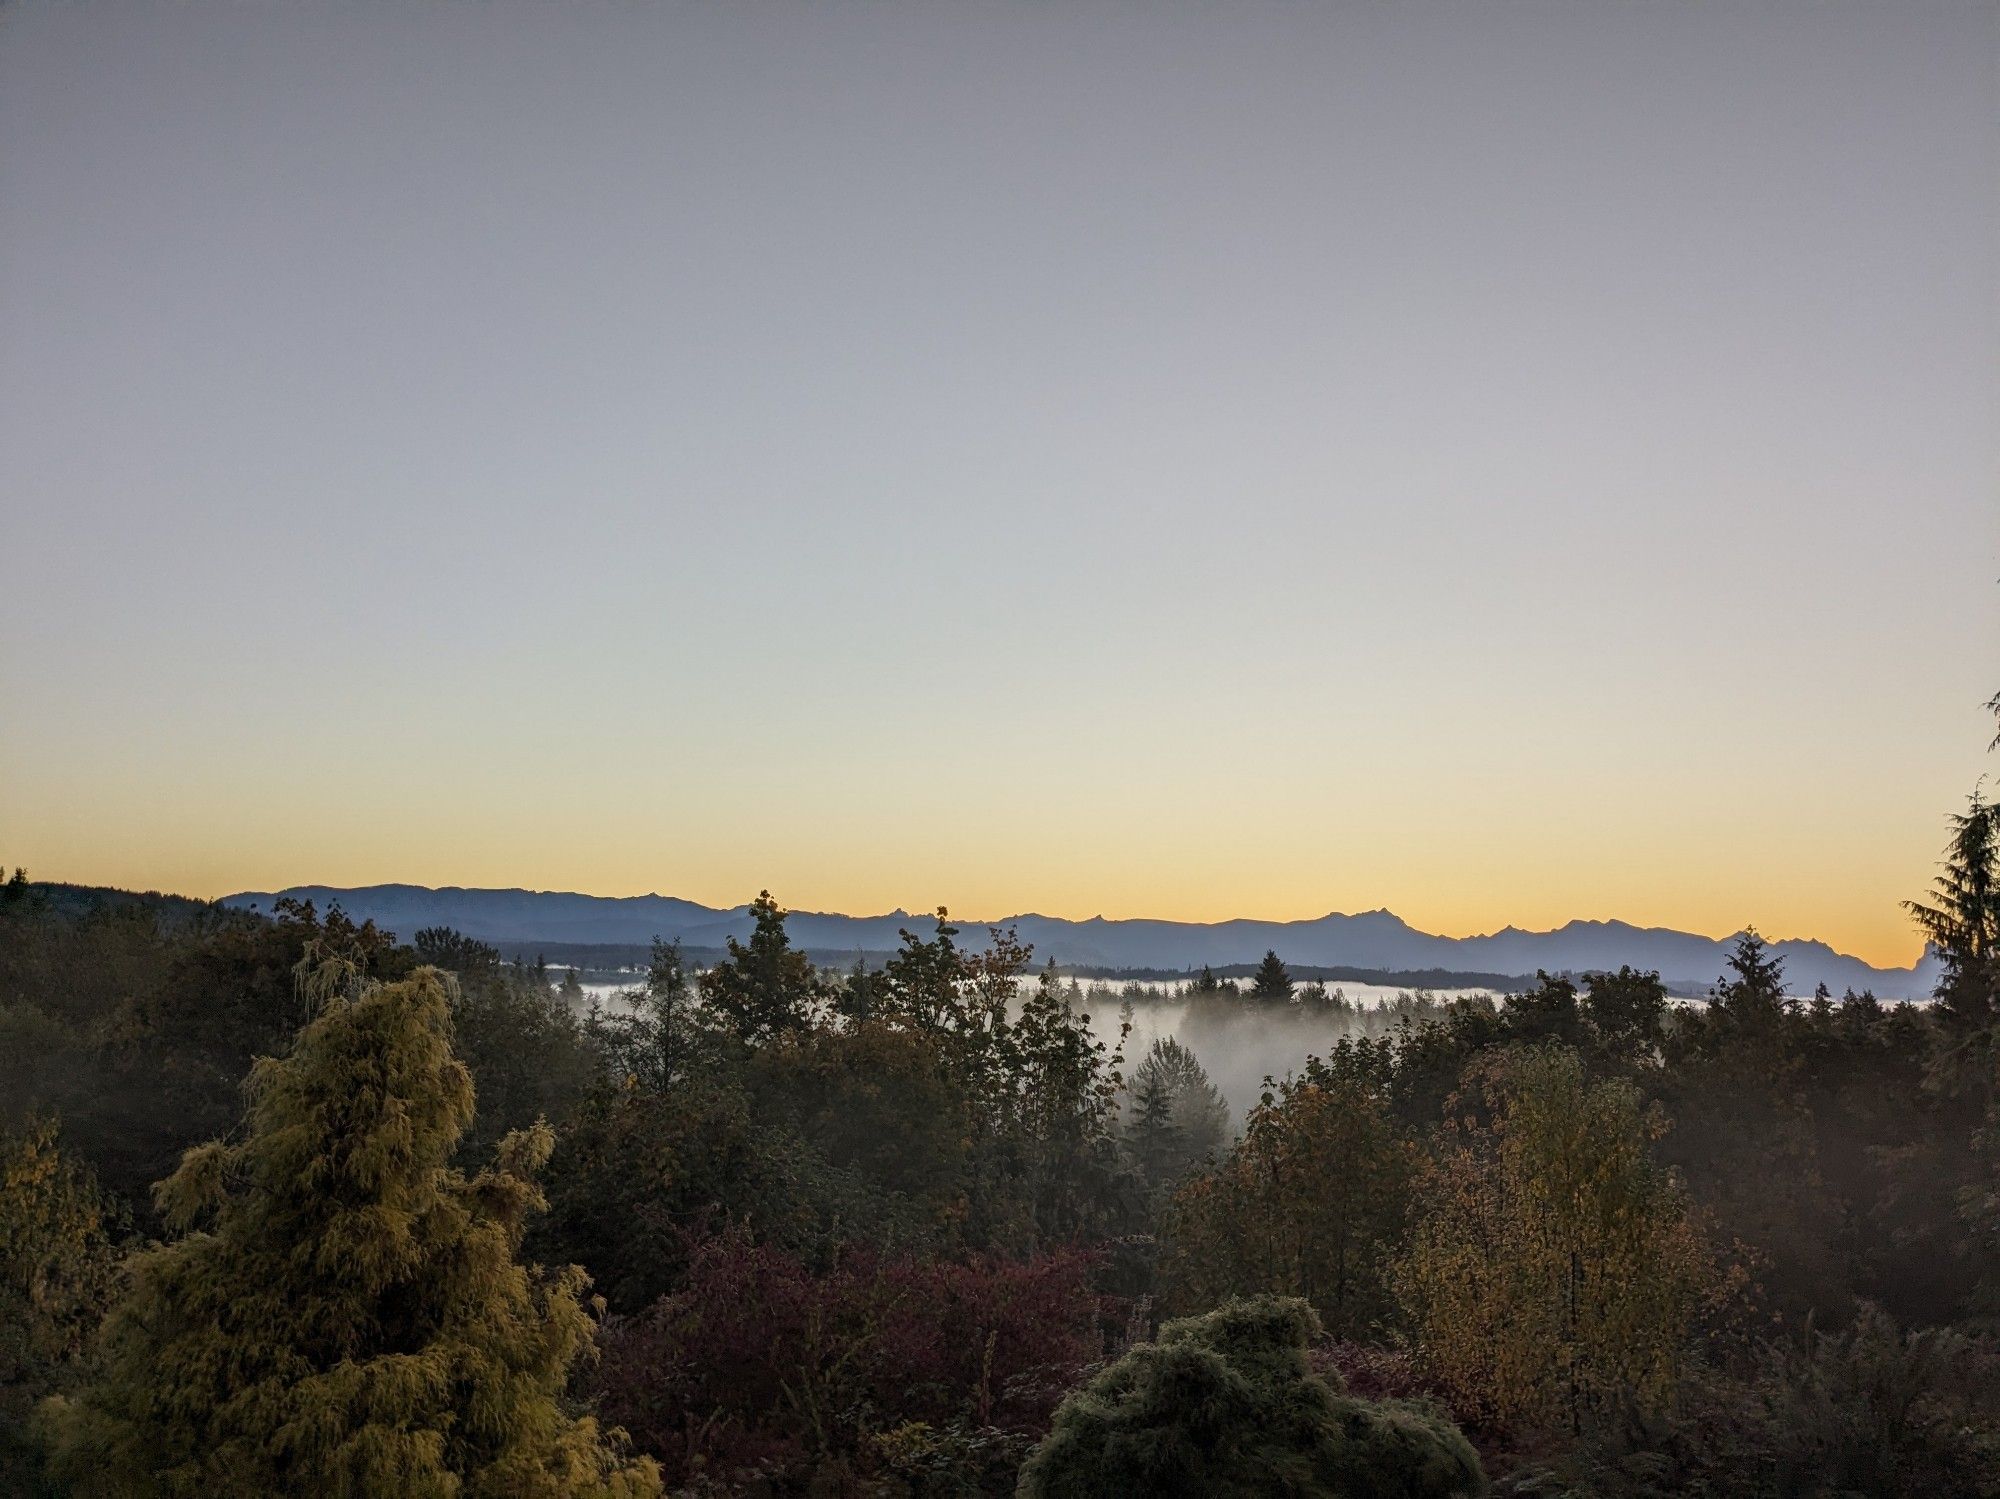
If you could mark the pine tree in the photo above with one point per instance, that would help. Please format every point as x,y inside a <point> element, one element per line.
<point>1271,984</point>
<point>667,1014</point>
<point>352,1318</point>
<point>1757,992</point>
<point>1206,983</point>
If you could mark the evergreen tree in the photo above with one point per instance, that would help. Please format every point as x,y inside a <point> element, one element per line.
<point>669,1025</point>
<point>1962,923</point>
<point>1206,983</point>
<point>1211,1002</point>
<point>1199,1112</point>
<point>1153,1137</point>
<point>352,1320</point>
<point>765,987</point>
<point>1271,984</point>
<point>1757,992</point>
<point>861,995</point>
<point>1314,1001</point>
<point>1962,920</point>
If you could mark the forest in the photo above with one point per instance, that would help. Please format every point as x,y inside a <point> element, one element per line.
<point>291,1204</point>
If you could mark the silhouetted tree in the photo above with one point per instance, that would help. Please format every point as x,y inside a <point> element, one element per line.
<point>765,987</point>
<point>1627,1011</point>
<point>1756,993</point>
<point>1152,1137</point>
<point>1271,984</point>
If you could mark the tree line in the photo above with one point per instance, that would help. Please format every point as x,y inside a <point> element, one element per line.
<point>290,1205</point>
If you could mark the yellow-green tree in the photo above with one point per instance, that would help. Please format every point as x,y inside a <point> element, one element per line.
<point>58,1273</point>
<point>351,1317</point>
<point>1555,1272</point>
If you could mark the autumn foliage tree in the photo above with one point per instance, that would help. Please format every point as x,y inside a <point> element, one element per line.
<point>350,1316</point>
<point>1555,1271</point>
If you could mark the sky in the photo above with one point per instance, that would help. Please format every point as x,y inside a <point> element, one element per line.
<point>1501,463</point>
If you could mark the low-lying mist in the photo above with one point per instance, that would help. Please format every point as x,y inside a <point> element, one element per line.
<point>1238,1043</point>
<point>1241,1045</point>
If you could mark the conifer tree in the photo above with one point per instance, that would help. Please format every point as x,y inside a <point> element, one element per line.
<point>1199,1112</point>
<point>1272,983</point>
<point>668,1011</point>
<point>1962,920</point>
<point>1211,1002</point>
<point>1757,992</point>
<point>351,1319</point>
<point>1154,1139</point>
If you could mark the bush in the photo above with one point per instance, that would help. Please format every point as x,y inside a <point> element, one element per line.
<point>1225,1404</point>
<point>923,1368</point>
<point>1869,1412</point>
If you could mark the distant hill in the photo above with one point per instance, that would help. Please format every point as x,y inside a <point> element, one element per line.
<point>74,901</point>
<point>1374,940</point>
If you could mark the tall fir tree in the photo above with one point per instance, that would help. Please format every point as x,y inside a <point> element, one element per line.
<point>1153,1138</point>
<point>1272,983</point>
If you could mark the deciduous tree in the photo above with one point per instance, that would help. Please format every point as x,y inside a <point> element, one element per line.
<point>1555,1271</point>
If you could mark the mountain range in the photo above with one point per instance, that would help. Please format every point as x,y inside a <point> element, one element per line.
<point>1373,940</point>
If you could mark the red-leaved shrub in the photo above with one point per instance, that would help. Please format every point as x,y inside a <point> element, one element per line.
<point>762,1366</point>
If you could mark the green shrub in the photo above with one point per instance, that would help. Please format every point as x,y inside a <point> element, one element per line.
<point>1225,1405</point>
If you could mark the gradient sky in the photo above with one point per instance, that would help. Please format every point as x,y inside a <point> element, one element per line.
<point>1504,463</point>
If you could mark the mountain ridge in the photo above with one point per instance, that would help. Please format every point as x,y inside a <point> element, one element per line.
<point>1377,939</point>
